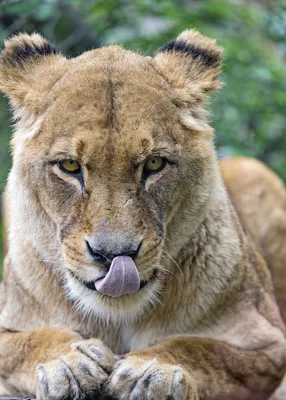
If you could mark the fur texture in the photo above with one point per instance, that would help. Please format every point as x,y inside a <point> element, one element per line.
<point>206,325</point>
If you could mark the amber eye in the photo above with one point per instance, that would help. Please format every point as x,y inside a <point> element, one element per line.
<point>154,164</point>
<point>69,165</point>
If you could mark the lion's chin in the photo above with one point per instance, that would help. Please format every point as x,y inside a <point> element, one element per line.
<point>124,308</point>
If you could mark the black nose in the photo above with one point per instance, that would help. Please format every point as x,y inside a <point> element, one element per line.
<point>102,257</point>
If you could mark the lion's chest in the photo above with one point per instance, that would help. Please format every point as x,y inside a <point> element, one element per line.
<point>131,339</point>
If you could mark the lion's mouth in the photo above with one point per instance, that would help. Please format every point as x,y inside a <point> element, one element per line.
<point>91,285</point>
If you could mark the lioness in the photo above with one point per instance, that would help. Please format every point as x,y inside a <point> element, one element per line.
<point>128,271</point>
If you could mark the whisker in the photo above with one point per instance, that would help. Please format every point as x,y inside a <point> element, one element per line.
<point>143,260</point>
<point>172,259</point>
<point>161,268</point>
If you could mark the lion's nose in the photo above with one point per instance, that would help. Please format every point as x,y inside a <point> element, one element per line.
<point>101,256</point>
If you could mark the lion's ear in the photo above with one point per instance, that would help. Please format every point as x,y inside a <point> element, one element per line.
<point>191,63</point>
<point>29,65</point>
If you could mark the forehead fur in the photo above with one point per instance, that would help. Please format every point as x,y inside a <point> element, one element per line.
<point>105,95</point>
<point>111,80</point>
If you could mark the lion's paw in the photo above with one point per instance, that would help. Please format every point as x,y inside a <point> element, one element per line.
<point>140,379</point>
<point>79,373</point>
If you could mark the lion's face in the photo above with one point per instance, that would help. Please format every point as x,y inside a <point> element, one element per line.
<point>116,161</point>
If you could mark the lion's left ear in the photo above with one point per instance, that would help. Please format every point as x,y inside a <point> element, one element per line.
<point>191,63</point>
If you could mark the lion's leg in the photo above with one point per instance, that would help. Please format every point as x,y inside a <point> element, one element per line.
<point>20,352</point>
<point>199,368</point>
<point>53,364</point>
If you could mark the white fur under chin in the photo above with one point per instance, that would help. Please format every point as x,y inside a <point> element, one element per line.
<point>124,309</point>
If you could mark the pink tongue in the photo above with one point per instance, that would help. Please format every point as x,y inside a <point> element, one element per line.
<point>122,278</point>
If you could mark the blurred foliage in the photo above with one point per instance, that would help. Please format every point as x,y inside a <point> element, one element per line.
<point>248,114</point>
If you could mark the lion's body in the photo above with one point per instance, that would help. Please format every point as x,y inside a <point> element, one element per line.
<point>260,199</point>
<point>204,322</point>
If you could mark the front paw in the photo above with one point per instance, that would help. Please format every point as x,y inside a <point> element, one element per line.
<point>136,378</point>
<point>76,375</point>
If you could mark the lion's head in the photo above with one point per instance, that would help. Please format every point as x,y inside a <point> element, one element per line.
<point>113,152</point>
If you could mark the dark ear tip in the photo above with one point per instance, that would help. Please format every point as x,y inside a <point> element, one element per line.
<point>207,57</point>
<point>22,47</point>
<point>202,49</point>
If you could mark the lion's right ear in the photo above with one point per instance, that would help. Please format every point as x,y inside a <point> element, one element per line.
<point>29,66</point>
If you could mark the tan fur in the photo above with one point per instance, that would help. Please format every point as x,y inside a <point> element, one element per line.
<point>4,216</point>
<point>207,326</point>
<point>260,198</point>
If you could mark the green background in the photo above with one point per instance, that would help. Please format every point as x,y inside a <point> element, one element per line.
<point>249,114</point>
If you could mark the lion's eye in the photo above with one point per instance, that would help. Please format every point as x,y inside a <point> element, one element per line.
<point>69,165</point>
<point>154,164</point>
